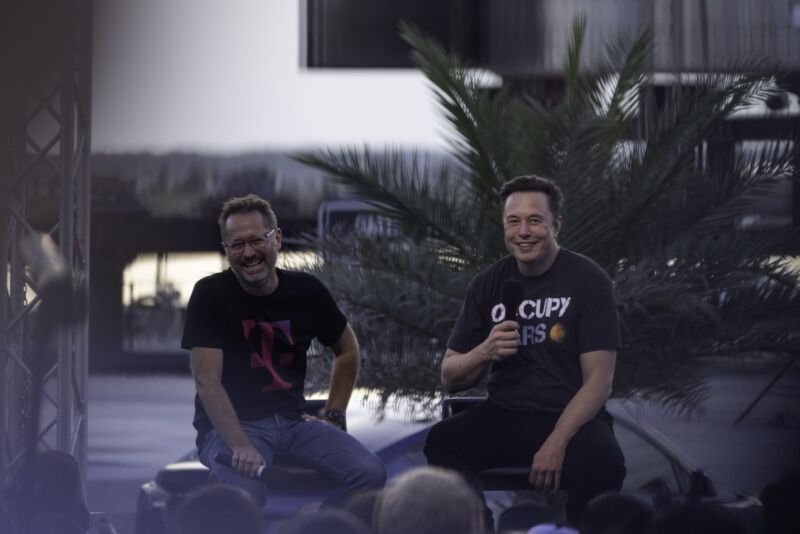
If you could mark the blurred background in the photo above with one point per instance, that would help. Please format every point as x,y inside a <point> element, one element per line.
<point>125,125</point>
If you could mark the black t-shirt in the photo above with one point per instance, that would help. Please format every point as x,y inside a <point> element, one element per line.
<point>567,311</point>
<point>263,339</point>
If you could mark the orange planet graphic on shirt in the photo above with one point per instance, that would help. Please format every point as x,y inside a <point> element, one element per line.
<point>558,332</point>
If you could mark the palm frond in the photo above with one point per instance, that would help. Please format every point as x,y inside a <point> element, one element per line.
<point>655,194</point>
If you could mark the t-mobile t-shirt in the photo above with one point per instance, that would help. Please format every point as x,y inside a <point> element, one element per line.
<point>264,339</point>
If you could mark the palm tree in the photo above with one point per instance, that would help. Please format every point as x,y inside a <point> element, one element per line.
<point>641,199</point>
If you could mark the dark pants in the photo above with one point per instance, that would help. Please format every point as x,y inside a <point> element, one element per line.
<point>488,436</point>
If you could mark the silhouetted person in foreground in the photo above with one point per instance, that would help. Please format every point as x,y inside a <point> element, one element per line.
<point>523,516</point>
<point>699,518</point>
<point>429,500</point>
<point>550,528</point>
<point>781,500</point>
<point>325,521</point>
<point>362,505</point>
<point>218,509</point>
<point>47,483</point>
<point>47,492</point>
<point>614,513</point>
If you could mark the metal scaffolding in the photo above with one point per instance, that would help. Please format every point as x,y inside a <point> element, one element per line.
<point>45,188</point>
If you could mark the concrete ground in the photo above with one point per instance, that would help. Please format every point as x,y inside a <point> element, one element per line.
<point>137,424</point>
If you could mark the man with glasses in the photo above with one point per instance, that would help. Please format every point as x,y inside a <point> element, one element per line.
<point>541,323</point>
<point>248,329</point>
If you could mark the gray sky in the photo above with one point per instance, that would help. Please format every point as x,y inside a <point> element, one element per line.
<point>224,76</point>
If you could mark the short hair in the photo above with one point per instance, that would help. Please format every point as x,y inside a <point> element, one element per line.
<point>779,499</point>
<point>429,500</point>
<point>532,183</point>
<point>525,515</point>
<point>217,508</point>
<point>699,518</point>
<point>617,513</point>
<point>49,484</point>
<point>362,505</point>
<point>247,204</point>
<point>326,520</point>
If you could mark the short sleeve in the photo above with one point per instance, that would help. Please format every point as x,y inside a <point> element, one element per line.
<point>203,326</point>
<point>330,320</point>
<point>599,325</point>
<point>469,330</point>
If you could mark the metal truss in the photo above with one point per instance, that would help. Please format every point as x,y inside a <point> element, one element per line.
<point>45,189</point>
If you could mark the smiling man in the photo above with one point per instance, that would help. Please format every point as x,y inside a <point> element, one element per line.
<point>550,360</point>
<point>248,329</point>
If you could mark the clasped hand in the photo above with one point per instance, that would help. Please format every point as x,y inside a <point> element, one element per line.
<point>503,340</point>
<point>247,460</point>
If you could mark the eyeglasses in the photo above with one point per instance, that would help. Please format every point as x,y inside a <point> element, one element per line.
<point>254,242</point>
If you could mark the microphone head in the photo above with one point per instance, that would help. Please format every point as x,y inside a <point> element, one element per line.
<point>512,294</point>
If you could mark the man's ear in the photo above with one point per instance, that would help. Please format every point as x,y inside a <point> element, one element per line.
<point>557,226</point>
<point>279,237</point>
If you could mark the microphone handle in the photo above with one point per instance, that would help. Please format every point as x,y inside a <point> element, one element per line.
<point>227,460</point>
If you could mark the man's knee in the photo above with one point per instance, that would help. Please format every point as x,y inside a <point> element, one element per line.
<point>596,474</point>
<point>595,453</point>
<point>437,446</point>
<point>368,473</point>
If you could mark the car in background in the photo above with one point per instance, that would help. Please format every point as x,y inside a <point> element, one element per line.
<point>656,469</point>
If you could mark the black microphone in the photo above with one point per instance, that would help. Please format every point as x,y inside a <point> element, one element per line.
<point>512,294</point>
<point>227,460</point>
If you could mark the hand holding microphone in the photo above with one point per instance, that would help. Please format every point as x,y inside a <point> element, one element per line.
<point>511,296</point>
<point>503,340</point>
<point>227,460</point>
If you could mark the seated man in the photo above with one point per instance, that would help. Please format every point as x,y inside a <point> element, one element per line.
<point>550,360</point>
<point>248,329</point>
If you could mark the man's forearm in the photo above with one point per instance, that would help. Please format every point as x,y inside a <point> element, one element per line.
<point>462,371</point>
<point>343,379</point>
<point>580,410</point>
<point>220,411</point>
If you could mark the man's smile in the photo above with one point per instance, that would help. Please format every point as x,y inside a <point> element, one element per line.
<point>252,263</point>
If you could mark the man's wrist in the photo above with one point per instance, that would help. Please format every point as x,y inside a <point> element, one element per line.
<point>335,416</point>
<point>484,353</point>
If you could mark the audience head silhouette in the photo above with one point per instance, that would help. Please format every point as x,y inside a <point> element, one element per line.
<point>613,513</point>
<point>325,521</point>
<point>218,509</point>
<point>699,518</point>
<point>429,500</point>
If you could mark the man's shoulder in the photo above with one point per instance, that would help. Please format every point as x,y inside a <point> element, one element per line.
<point>575,261</point>
<point>491,278</point>
<point>300,277</point>
<point>502,268</point>
<point>213,281</point>
<point>300,280</point>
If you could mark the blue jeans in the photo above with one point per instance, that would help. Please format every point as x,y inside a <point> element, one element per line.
<point>315,444</point>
